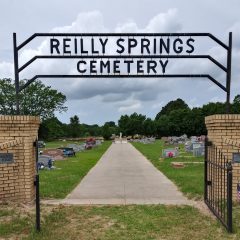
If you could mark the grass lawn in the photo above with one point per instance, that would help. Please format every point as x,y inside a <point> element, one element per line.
<point>131,222</point>
<point>134,222</point>
<point>57,144</point>
<point>188,179</point>
<point>61,181</point>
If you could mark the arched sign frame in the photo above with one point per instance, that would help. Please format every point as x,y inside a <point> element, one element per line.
<point>227,69</point>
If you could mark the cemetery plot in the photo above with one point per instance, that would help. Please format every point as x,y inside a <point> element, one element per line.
<point>144,140</point>
<point>60,182</point>
<point>47,156</point>
<point>55,154</point>
<point>187,172</point>
<point>194,144</point>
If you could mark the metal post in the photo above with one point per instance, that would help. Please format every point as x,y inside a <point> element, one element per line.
<point>229,70</point>
<point>205,169</point>
<point>38,228</point>
<point>16,72</point>
<point>38,223</point>
<point>229,197</point>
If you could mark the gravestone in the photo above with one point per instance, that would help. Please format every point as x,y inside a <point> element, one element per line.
<point>171,152</point>
<point>199,151</point>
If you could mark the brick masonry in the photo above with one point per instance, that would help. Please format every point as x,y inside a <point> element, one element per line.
<point>224,132</point>
<point>17,134</point>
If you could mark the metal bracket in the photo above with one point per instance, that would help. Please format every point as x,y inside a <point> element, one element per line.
<point>209,183</point>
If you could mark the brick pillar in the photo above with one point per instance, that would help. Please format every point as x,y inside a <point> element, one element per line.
<point>224,132</point>
<point>17,135</point>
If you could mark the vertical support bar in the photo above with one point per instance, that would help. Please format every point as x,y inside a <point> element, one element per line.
<point>206,170</point>
<point>229,197</point>
<point>38,223</point>
<point>229,70</point>
<point>16,72</point>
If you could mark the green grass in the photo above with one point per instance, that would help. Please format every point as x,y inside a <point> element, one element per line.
<point>132,222</point>
<point>188,179</point>
<point>12,221</point>
<point>61,181</point>
<point>57,144</point>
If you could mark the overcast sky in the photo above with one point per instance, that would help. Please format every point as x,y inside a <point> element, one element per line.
<point>101,100</point>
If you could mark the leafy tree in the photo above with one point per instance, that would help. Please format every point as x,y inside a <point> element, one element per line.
<point>214,108</point>
<point>149,127</point>
<point>74,126</point>
<point>7,97</point>
<point>235,108</point>
<point>198,122</point>
<point>51,129</point>
<point>171,106</point>
<point>111,124</point>
<point>106,132</point>
<point>133,124</point>
<point>37,99</point>
<point>163,126</point>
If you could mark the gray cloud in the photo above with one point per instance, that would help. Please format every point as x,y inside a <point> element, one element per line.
<point>99,100</point>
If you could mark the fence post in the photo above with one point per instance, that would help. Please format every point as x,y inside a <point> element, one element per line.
<point>38,221</point>
<point>229,197</point>
<point>205,169</point>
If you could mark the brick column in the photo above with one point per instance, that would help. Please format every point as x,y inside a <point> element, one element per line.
<point>224,132</point>
<point>17,135</point>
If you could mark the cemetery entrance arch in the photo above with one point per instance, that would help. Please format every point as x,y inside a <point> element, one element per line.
<point>121,55</point>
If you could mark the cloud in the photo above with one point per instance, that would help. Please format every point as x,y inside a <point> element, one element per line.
<point>130,107</point>
<point>165,22</point>
<point>85,22</point>
<point>6,70</point>
<point>109,89</point>
<point>128,94</point>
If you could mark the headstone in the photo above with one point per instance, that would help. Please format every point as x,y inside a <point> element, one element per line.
<point>197,145</point>
<point>199,151</point>
<point>45,161</point>
<point>170,153</point>
<point>75,147</point>
<point>188,146</point>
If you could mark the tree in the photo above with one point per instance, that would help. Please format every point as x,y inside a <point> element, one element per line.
<point>235,108</point>
<point>163,126</point>
<point>106,133</point>
<point>214,108</point>
<point>37,99</point>
<point>74,126</point>
<point>51,129</point>
<point>131,125</point>
<point>149,127</point>
<point>171,106</point>
<point>175,123</point>
<point>110,124</point>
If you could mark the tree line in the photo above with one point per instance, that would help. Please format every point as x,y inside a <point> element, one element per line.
<point>174,119</point>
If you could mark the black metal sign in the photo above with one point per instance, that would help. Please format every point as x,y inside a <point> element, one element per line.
<point>6,158</point>
<point>123,55</point>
